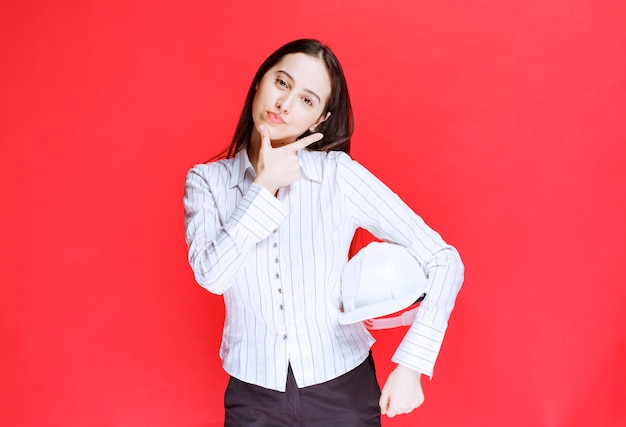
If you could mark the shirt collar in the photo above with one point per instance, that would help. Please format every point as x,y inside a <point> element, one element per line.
<point>241,166</point>
<point>309,164</point>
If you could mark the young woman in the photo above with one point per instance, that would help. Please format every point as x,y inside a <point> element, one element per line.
<point>270,227</point>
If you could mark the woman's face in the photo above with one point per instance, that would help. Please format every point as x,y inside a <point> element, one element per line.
<point>291,97</point>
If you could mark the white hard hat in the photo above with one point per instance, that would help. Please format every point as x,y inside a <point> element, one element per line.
<point>381,279</point>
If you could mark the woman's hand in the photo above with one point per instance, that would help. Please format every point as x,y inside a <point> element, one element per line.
<point>402,392</point>
<point>279,167</point>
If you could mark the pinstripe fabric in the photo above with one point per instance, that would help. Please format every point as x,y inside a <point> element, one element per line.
<point>278,260</point>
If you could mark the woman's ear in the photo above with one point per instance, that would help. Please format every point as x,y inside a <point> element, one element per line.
<point>318,122</point>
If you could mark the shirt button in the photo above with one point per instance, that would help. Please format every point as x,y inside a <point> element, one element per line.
<point>281,307</point>
<point>275,230</point>
<point>285,336</point>
<point>277,276</point>
<point>280,290</point>
<point>276,260</point>
<point>275,245</point>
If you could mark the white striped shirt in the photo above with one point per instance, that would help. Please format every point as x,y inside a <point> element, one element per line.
<point>278,262</point>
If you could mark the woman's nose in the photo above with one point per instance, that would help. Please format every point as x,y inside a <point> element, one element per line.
<point>282,105</point>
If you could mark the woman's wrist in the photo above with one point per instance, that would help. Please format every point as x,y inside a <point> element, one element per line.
<point>268,186</point>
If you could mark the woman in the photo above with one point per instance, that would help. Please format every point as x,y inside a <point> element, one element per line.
<point>270,226</point>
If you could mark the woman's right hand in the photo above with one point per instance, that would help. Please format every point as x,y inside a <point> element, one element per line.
<point>278,167</point>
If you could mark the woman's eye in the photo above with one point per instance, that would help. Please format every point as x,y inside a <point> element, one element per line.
<point>308,101</point>
<point>281,82</point>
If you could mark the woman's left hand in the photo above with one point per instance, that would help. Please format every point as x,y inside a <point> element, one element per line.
<point>402,392</point>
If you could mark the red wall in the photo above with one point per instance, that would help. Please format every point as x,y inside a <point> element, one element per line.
<point>501,123</point>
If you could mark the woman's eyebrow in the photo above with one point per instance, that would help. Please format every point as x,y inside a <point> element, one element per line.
<point>306,90</point>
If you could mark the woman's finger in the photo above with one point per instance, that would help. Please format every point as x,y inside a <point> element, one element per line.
<point>266,142</point>
<point>305,142</point>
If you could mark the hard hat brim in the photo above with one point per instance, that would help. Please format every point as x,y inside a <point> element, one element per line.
<point>384,308</point>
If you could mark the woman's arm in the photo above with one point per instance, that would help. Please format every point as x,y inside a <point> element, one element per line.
<point>218,247</point>
<point>376,208</point>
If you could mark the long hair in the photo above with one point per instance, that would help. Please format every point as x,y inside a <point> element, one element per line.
<point>337,129</point>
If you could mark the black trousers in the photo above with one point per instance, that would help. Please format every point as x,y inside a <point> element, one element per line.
<point>350,400</point>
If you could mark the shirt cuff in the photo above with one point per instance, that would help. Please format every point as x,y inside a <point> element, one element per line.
<point>419,348</point>
<point>258,214</point>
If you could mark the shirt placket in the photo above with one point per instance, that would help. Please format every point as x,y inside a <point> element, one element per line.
<point>284,308</point>
<point>277,282</point>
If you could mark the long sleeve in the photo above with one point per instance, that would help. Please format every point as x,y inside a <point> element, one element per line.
<point>220,231</point>
<point>376,208</point>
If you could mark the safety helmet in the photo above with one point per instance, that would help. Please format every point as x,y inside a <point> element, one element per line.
<point>381,279</point>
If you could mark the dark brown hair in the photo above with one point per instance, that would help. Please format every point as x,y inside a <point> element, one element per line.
<point>337,129</point>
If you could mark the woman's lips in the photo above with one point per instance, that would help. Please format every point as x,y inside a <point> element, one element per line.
<point>275,118</point>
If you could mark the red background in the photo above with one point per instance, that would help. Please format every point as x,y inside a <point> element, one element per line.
<point>501,123</point>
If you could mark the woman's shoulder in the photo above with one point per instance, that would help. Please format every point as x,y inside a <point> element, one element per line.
<point>212,170</point>
<point>213,165</point>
